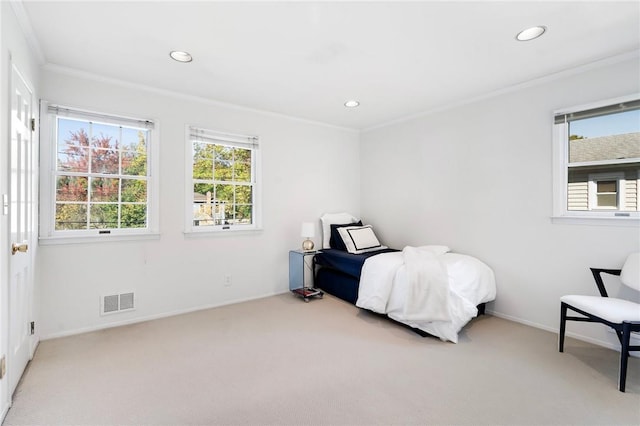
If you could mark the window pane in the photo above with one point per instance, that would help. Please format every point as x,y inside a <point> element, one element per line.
<point>209,214</point>
<point>202,160</point>
<point>72,152</point>
<point>134,139</point>
<point>71,188</point>
<point>134,163</point>
<point>73,132</point>
<point>105,161</point>
<point>243,194</point>
<point>223,170</point>
<point>242,214</point>
<point>607,186</point>
<point>223,163</point>
<point>134,190</point>
<point>104,189</point>
<point>607,200</point>
<point>607,137</point>
<point>73,159</point>
<point>105,136</point>
<point>71,216</point>
<point>202,192</point>
<point>133,216</point>
<point>103,216</point>
<point>224,193</point>
<point>202,214</point>
<point>242,169</point>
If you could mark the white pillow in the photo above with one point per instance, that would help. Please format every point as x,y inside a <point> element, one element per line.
<point>329,219</point>
<point>436,250</point>
<point>360,239</point>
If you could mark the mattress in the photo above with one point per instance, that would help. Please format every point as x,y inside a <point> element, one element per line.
<point>345,262</point>
<point>338,272</point>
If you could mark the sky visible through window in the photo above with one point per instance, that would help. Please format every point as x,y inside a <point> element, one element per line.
<point>612,124</point>
<point>129,135</point>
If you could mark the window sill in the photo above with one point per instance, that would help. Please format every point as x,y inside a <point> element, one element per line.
<point>597,221</point>
<point>221,233</point>
<point>46,241</point>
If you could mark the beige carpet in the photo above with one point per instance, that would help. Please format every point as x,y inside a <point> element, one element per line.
<point>280,361</point>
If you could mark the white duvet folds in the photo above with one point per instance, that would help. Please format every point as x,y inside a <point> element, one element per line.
<point>427,288</point>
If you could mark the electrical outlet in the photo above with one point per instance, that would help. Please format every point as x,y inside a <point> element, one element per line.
<point>227,280</point>
<point>3,367</point>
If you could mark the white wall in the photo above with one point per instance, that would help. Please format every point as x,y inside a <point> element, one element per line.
<point>14,49</point>
<point>307,169</point>
<point>478,178</point>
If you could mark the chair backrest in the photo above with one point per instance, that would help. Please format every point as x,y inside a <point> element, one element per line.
<point>630,275</point>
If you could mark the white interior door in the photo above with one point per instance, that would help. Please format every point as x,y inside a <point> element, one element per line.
<point>21,225</point>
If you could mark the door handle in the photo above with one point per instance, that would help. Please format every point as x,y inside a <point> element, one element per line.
<point>22,248</point>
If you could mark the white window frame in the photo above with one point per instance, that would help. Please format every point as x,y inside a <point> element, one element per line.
<point>638,190</point>
<point>48,164</point>
<point>594,178</point>
<point>561,214</point>
<point>228,139</point>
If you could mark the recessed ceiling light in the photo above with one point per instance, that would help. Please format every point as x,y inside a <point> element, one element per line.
<point>531,33</point>
<point>351,104</point>
<point>181,56</point>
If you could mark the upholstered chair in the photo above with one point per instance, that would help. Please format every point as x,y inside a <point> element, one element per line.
<point>620,314</point>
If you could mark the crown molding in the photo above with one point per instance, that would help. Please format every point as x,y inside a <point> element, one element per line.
<point>58,69</point>
<point>27,30</point>
<point>622,57</point>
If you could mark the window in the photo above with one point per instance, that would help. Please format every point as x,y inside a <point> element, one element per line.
<point>606,191</point>
<point>597,161</point>
<point>222,187</point>
<point>98,182</point>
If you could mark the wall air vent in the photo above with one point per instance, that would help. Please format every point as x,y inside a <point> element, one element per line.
<point>115,303</point>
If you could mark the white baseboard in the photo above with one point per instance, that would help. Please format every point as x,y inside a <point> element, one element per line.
<point>581,337</point>
<point>152,317</point>
<point>5,410</point>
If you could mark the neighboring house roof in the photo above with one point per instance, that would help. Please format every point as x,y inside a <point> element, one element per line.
<point>614,147</point>
<point>197,197</point>
<point>205,198</point>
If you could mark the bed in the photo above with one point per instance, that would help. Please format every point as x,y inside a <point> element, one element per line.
<point>427,288</point>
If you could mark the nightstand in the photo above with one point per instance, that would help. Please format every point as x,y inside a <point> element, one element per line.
<point>297,270</point>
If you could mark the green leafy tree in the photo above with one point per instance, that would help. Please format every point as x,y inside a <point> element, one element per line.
<point>225,176</point>
<point>103,196</point>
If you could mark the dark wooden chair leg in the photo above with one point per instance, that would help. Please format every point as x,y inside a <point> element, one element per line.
<point>563,322</point>
<point>624,355</point>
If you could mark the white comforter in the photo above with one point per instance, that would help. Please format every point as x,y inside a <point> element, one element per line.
<point>426,288</point>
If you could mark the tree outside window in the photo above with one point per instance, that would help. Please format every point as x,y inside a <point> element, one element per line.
<point>101,176</point>
<point>223,181</point>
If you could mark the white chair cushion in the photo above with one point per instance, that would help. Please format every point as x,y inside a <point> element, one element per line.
<point>608,308</point>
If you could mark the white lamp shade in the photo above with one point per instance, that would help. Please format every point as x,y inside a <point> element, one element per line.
<point>308,230</point>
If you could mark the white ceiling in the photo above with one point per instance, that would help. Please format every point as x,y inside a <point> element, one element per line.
<point>305,59</point>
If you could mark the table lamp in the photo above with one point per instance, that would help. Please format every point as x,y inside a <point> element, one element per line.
<point>307,232</point>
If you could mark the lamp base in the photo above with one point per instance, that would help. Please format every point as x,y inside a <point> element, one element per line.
<point>307,245</point>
